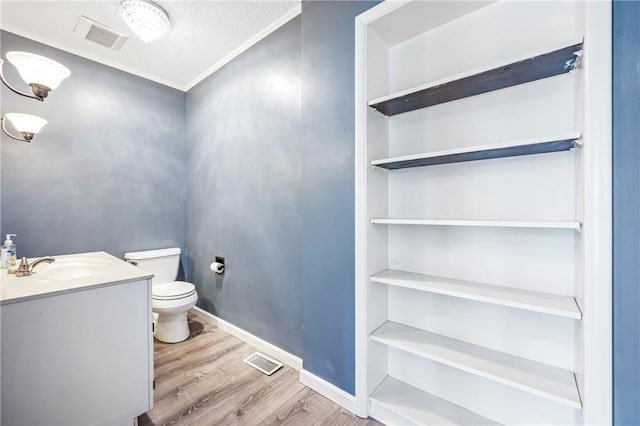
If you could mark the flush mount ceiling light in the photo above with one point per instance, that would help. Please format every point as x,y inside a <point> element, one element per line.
<point>28,125</point>
<point>148,20</point>
<point>39,72</point>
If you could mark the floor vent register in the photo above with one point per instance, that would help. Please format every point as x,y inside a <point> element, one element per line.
<point>263,363</point>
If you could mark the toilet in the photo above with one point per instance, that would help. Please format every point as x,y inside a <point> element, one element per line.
<point>170,299</point>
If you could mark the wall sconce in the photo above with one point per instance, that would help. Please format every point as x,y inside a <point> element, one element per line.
<point>28,125</point>
<point>40,73</point>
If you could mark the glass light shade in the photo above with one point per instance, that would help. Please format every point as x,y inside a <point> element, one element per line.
<point>148,20</point>
<point>38,69</point>
<point>26,123</point>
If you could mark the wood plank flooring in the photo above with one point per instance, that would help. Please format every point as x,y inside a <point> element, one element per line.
<point>203,381</point>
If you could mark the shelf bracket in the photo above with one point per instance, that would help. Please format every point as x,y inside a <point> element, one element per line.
<point>576,62</point>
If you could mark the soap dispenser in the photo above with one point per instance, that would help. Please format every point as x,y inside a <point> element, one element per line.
<point>8,253</point>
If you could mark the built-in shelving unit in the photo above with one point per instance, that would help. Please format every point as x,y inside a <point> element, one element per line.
<point>413,406</point>
<point>563,306</point>
<point>482,152</point>
<point>479,298</point>
<point>548,382</point>
<point>481,223</point>
<point>528,69</point>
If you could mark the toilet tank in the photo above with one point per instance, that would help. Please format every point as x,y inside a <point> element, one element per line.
<point>163,263</point>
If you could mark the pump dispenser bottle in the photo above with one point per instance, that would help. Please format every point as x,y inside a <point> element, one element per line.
<point>8,253</point>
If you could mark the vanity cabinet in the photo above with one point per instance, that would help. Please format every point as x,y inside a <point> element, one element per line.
<point>83,357</point>
<point>483,243</point>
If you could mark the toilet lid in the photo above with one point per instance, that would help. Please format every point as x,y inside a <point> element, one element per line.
<point>173,290</point>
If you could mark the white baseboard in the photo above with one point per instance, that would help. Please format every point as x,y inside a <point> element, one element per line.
<point>262,345</point>
<point>328,390</point>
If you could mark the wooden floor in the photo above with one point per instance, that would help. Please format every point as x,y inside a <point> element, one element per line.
<point>203,381</point>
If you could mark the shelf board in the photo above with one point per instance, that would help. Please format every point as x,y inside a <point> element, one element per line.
<point>480,223</point>
<point>483,152</point>
<point>529,376</point>
<point>414,406</point>
<point>530,68</point>
<point>563,306</point>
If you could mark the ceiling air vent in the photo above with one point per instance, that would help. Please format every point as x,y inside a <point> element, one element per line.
<point>99,33</point>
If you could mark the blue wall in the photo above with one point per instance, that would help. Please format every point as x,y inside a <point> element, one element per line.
<point>626,212</point>
<point>108,170</point>
<point>285,225</point>
<point>328,179</point>
<point>243,198</point>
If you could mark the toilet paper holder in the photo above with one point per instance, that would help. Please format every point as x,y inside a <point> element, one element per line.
<point>218,265</point>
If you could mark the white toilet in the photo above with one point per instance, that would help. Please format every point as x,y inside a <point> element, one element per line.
<point>171,299</point>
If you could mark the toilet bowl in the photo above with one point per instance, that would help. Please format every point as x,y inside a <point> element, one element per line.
<point>170,299</point>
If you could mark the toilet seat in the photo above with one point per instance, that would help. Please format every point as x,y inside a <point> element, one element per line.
<point>173,290</point>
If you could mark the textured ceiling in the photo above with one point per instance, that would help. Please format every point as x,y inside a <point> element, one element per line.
<point>203,33</point>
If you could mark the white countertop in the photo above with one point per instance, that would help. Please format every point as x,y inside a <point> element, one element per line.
<point>46,281</point>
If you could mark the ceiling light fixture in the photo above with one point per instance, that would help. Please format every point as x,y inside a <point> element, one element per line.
<point>28,125</point>
<point>39,72</point>
<point>148,20</point>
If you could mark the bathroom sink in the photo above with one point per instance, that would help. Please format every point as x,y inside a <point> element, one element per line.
<point>71,268</point>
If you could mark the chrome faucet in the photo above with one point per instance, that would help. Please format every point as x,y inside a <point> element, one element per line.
<point>25,270</point>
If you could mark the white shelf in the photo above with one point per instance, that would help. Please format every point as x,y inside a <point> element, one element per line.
<point>483,152</point>
<point>538,379</point>
<point>563,306</point>
<point>481,223</point>
<point>410,405</point>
